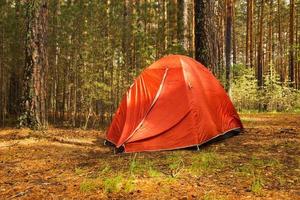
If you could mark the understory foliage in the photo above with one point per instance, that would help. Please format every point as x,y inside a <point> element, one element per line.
<point>273,96</point>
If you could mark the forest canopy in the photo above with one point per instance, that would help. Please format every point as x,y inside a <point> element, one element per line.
<point>69,62</point>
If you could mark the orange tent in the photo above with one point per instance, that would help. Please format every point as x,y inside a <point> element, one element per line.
<point>176,102</point>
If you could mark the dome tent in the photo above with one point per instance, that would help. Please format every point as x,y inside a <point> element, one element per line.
<point>174,103</point>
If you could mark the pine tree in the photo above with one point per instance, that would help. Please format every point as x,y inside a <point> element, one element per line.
<point>36,64</point>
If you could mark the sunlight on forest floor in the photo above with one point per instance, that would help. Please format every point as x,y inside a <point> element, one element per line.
<point>261,163</point>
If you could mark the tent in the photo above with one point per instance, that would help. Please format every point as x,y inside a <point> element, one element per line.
<point>174,103</point>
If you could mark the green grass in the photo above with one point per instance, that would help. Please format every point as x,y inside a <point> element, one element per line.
<point>257,186</point>
<point>257,162</point>
<point>282,180</point>
<point>134,165</point>
<point>258,166</point>
<point>176,167</point>
<point>245,170</point>
<point>248,119</point>
<point>113,185</point>
<point>263,162</point>
<point>206,162</point>
<point>249,111</point>
<point>139,166</point>
<point>89,185</point>
<point>79,171</point>
<point>292,144</point>
<point>129,185</point>
<point>292,111</point>
<point>212,196</point>
<point>117,183</point>
<point>296,110</point>
<point>105,170</point>
<point>167,182</point>
<point>154,173</point>
<point>143,166</point>
<point>175,163</point>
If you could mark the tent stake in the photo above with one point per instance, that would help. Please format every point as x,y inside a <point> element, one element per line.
<point>198,149</point>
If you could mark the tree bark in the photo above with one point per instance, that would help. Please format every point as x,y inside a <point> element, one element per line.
<point>186,25</point>
<point>181,23</point>
<point>291,44</point>
<point>56,77</point>
<point>249,34</point>
<point>36,64</point>
<point>270,34</point>
<point>2,83</point>
<point>172,28</point>
<point>280,63</point>
<point>206,45</point>
<point>260,47</point>
<point>228,42</point>
<point>16,68</point>
<point>234,46</point>
<point>297,56</point>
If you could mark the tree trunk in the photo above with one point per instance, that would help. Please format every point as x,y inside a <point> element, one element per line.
<point>186,45</point>
<point>221,37</point>
<point>56,77</point>
<point>298,44</point>
<point>270,35</point>
<point>171,24</point>
<point>36,64</point>
<point>234,46</point>
<point>291,44</point>
<point>180,22</point>
<point>15,84</point>
<point>228,42</point>
<point>249,34</point>
<point>2,84</point>
<point>260,47</point>
<point>206,45</point>
<point>165,25</point>
<point>89,113</point>
<point>251,47</point>
<point>280,54</point>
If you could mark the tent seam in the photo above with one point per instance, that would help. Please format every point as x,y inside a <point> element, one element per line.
<point>152,104</point>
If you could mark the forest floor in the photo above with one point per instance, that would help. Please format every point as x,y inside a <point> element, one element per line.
<point>261,163</point>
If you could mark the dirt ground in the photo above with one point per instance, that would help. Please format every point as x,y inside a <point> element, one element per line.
<point>261,163</point>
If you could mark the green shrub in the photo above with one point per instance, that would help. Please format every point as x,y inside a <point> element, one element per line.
<point>273,96</point>
<point>277,96</point>
<point>244,90</point>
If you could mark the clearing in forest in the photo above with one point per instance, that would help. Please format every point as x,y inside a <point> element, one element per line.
<point>261,163</point>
